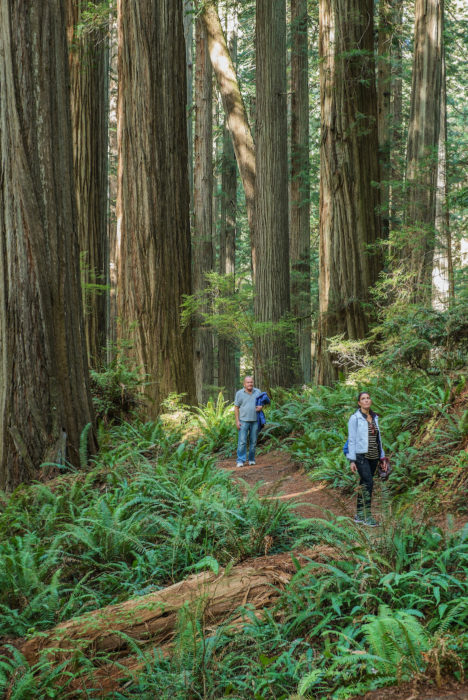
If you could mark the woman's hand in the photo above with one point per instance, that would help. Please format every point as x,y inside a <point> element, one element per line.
<point>353,467</point>
<point>383,463</point>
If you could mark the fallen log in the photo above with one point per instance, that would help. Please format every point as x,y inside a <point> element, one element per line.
<point>152,618</point>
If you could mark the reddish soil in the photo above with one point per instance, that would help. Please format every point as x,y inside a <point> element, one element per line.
<point>281,478</point>
<point>407,691</point>
<point>284,479</point>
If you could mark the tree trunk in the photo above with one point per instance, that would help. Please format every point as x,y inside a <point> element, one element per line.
<point>349,201</point>
<point>227,370</point>
<point>384,82</point>
<point>443,279</point>
<point>44,397</point>
<point>113,238</point>
<point>202,206</point>
<point>153,617</point>
<point>299,188</point>
<point>89,66</point>
<point>397,146</point>
<point>153,201</point>
<point>423,140</point>
<point>273,362</point>
<point>236,115</point>
<point>188,35</point>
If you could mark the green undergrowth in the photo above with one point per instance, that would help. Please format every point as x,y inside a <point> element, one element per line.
<point>147,513</point>
<point>384,608</point>
<point>385,605</point>
<point>423,435</point>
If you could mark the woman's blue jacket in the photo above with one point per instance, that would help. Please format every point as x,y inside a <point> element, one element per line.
<point>358,436</point>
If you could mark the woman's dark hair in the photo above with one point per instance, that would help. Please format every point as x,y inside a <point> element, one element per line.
<point>360,394</point>
<point>371,412</point>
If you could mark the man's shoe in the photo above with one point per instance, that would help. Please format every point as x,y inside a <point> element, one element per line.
<point>251,464</point>
<point>371,522</point>
<point>358,518</point>
<point>240,464</point>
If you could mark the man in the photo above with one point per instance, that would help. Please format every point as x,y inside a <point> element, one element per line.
<point>246,420</point>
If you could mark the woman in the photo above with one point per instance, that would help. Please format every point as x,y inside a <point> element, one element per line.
<point>364,453</point>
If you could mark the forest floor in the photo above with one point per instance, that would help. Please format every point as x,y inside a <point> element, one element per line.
<point>282,478</point>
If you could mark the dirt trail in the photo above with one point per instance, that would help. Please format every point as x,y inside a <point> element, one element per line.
<point>284,479</point>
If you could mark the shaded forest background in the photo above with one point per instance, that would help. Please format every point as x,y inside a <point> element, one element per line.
<point>195,191</point>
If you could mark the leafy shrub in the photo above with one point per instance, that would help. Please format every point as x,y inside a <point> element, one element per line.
<point>116,390</point>
<point>215,422</point>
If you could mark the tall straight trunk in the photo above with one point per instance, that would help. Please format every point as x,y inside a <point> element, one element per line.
<point>113,157</point>
<point>423,141</point>
<point>44,397</point>
<point>384,84</point>
<point>89,69</point>
<point>236,115</point>
<point>349,201</point>
<point>443,279</point>
<point>397,146</point>
<point>153,199</point>
<point>272,299</point>
<point>202,206</point>
<point>299,188</point>
<point>188,35</point>
<point>227,370</point>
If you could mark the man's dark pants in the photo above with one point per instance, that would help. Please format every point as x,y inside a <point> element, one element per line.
<point>366,469</point>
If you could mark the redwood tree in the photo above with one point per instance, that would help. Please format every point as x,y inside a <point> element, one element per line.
<point>384,84</point>
<point>349,169</point>
<point>423,141</point>
<point>272,297</point>
<point>227,370</point>
<point>153,199</point>
<point>236,114</point>
<point>89,66</point>
<point>299,189</point>
<point>202,205</point>
<point>44,397</point>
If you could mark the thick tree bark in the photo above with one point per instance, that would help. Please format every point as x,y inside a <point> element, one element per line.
<point>236,115</point>
<point>153,202</point>
<point>423,140</point>
<point>89,67</point>
<point>112,191</point>
<point>203,206</point>
<point>273,362</point>
<point>188,35</point>
<point>397,146</point>
<point>349,201</point>
<point>44,397</point>
<point>299,188</point>
<point>384,83</point>
<point>443,286</point>
<point>227,370</point>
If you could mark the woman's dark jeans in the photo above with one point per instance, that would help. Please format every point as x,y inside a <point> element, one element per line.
<point>366,469</point>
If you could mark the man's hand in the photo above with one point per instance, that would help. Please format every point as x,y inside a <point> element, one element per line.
<point>238,424</point>
<point>353,467</point>
<point>258,408</point>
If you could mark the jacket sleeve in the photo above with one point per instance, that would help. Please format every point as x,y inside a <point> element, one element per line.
<point>382,453</point>
<point>352,430</point>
